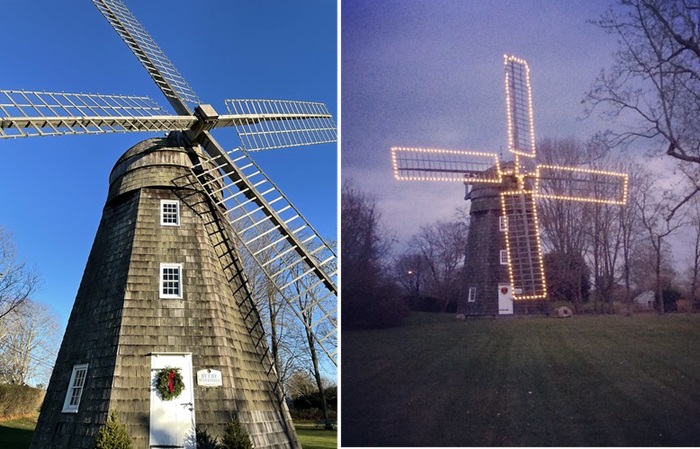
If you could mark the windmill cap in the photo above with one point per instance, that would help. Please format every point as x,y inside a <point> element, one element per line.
<point>153,162</point>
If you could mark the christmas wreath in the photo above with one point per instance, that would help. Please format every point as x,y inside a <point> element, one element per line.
<point>169,383</point>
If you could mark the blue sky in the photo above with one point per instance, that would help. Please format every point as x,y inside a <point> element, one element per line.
<point>53,189</point>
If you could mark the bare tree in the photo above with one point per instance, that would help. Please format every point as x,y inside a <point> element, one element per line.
<point>630,227</point>
<point>365,242</point>
<point>694,268</point>
<point>17,282</point>
<point>29,339</point>
<point>659,221</point>
<point>281,325</point>
<point>370,298</point>
<point>654,84</point>
<point>409,270</point>
<point>310,304</point>
<point>307,307</point>
<point>561,221</point>
<point>442,246</point>
<point>607,235</point>
<point>592,231</point>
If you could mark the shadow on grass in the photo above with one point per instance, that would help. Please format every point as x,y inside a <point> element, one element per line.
<point>17,433</point>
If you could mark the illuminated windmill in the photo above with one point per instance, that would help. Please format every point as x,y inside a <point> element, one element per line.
<point>164,328</point>
<point>504,257</point>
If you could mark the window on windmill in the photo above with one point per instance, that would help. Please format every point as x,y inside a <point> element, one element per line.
<point>171,280</point>
<point>472,294</point>
<point>503,223</point>
<point>75,389</point>
<point>504,257</point>
<point>169,212</point>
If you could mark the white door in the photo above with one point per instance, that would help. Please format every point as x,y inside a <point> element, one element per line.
<point>505,299</point>
<point>172,422</point>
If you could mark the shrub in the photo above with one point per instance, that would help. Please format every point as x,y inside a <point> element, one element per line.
<point>306,414</point>
<point>113,434</point>
<point>235,437</point>
<point>372,306</point>
<point>19,400</point>
<point>204,440</point>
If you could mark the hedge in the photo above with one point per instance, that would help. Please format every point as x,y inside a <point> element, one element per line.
<point>19,400</point>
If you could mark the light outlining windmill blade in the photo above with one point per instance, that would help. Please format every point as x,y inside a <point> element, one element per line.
<point>294,257</point>
<point>269,124</point>
<point>580,184</point>
<point>521,128</point>
<point>525,262</point>
<point>180,95</point>
<point>30,113</point>
<point>431,164</point>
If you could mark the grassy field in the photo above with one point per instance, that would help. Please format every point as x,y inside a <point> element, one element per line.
<point>312,437</point>
<point>584,381</point>
<point>17,434</point>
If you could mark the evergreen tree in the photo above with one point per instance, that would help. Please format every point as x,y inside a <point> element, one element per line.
<point>113,434</point>
<point>235,437</point>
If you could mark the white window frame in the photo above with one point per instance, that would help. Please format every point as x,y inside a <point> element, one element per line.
<point>472,294</point>
<point>75,391</point>
<point>180,286</point>
<point>502,223</point>
<point>503,256</point>
<point>163,214</point>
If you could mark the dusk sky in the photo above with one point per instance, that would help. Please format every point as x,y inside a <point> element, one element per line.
<point>54,188</point>
<point>430,74</point>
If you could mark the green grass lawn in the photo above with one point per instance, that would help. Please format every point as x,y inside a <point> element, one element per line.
<point>584,381</point>
<point>17,434</point>
<point>312,437</point>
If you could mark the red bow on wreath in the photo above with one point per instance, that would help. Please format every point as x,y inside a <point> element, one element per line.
<point>171,376</point>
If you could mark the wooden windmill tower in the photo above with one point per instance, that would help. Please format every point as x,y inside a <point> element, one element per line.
<point>164,329</point>
<point>503,267</point>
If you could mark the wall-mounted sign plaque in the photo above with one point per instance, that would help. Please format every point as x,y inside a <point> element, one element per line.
<point>209,378</point>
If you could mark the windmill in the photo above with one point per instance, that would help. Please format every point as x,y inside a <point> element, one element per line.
<point>164,289</point>
<point>503,261</point>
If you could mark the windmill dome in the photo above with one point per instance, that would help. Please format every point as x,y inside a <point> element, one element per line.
<point>486,196</point>
<point>151,163</point>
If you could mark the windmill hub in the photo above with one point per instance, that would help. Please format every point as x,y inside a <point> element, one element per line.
<point>207,115</point>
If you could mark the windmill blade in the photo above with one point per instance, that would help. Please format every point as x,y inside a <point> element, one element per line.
<point>579,184</point>
<point>180,95</point>
<point>429,164</point>
<point>521,129</point>
<point>30,113</point>
<point>269,124</point>
<point>294,257</point>
<point>525,264</point>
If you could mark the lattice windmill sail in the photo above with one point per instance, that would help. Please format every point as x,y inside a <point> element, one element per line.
<point>504,194</point>
<point>170,292</point>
